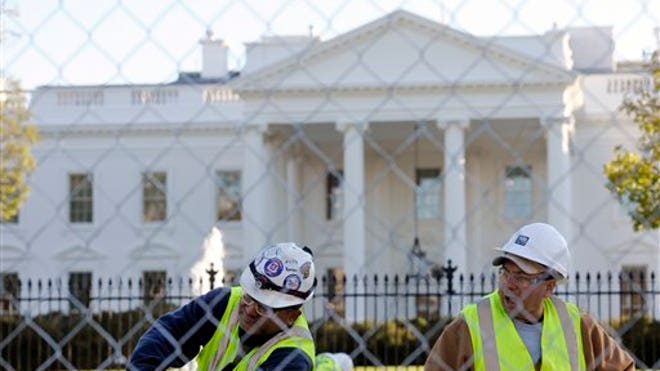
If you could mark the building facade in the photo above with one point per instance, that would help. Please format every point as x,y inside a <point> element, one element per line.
<point>401,130</point>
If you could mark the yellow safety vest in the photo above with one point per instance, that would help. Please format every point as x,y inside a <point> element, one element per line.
<point>223,348</point>
<point>496,344</point>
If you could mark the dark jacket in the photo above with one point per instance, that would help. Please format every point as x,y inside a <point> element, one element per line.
<point>176,338</point>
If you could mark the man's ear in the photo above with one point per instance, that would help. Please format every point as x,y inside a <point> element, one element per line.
<point>550,287</point>
<point>290,315</point>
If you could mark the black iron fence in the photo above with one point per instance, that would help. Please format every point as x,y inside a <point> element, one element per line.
<point>378,320</point>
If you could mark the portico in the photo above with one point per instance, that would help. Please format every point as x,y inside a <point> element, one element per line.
<point>477,126</point>
<point>378,185</point>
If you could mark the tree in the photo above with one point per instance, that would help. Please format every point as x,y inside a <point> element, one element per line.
<point>16,139</point>
<point>634,177</point>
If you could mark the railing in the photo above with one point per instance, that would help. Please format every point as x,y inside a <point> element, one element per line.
<point>378,320</point>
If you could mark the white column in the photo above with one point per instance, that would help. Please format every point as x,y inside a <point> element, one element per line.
<point>254,190</point>
<point>454,199</point>
<point>558,151</point>
<point>354,199</point>
<point>294,195</point>
<point>354,226</point>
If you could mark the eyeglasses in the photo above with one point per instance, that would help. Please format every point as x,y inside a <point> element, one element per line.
<point>523,280</point>
<point>261,309</point>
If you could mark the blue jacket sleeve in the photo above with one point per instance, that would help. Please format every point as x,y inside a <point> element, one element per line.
<point>176,337</point>
<point>293,359</point>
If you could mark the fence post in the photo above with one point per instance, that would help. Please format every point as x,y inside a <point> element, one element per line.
<point>449,270</point>
<point>212,272</point>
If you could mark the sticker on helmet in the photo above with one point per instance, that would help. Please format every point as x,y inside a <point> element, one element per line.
<point>292,282</point>
<point>522,240</point>
<point>291,265</point>
<point>305,269</point>
<point>273,267</point>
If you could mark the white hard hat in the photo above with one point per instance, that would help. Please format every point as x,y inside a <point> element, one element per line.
<point>282,275</point>
<point>540,243</point>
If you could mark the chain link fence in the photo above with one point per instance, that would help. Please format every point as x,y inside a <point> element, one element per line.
<point>396,139</point>
<point>408,315</point>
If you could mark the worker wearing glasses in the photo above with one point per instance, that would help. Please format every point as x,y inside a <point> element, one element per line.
<point>522,325</point>
<point>257,325</point>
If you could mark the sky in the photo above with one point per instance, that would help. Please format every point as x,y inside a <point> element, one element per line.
<point>80,42</point>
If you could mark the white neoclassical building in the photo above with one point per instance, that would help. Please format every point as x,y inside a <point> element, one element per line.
<point>400,129</point>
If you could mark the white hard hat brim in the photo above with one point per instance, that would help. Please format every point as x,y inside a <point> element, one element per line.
<point>269,298</point>
<point>524,264</point>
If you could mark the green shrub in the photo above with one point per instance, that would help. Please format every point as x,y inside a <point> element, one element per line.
<point>85,340</point>
<point>394,342</point>
<point>641,337</point>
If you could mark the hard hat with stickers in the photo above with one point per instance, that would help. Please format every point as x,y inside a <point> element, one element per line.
<point>540,243</point>
<point>282,275</point>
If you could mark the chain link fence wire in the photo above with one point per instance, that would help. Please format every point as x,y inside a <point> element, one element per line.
<point>401,141</point>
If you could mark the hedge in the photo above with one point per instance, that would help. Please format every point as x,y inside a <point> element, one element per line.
<point>87,341</point>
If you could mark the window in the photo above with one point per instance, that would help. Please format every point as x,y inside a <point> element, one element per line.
<point>80,289</point>
<point>9,292</point>
<point>336,298</point>
<point>427,193</point>
<point>154,194</point>
<point>334,196</point>
<point>229,195</point>
<point>633,286</point>
<point>80,198</point>
<point>153,286</point>
<point>518,192</point>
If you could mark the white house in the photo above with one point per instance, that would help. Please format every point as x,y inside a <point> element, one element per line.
<point>354,146</point>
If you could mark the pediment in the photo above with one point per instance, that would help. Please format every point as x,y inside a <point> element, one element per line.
<point>79,253</point>
<point>405,51</point>
<point>154,251</point>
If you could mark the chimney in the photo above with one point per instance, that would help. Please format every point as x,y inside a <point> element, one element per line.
<point>214,57</point>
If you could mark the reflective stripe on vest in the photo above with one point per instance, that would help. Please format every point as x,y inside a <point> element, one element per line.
<point>297,336</point>
<point>225,337</point>
<point>224,346</point>
<point>496,344</point>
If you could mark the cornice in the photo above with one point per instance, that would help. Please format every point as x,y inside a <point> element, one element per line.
<point>603,119</point>
<point>409,88</point>
<point>110,130</point>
